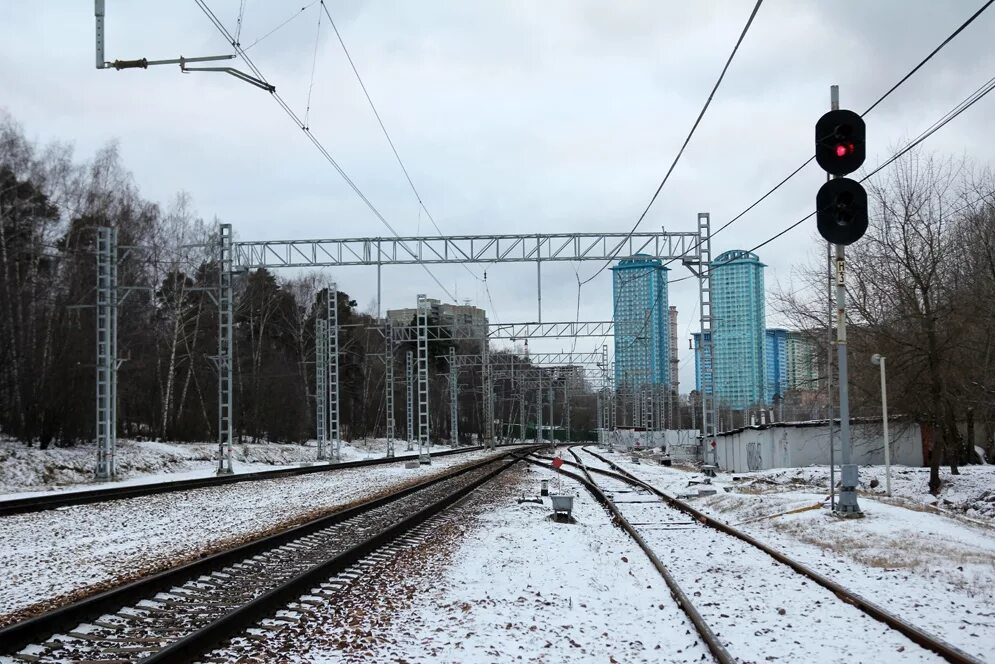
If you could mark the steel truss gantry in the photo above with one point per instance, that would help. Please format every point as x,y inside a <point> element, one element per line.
<point>453,398</point>
<point>456,249</point>
<point>224,360</point>
<point>692,249</point>
<point>106,361</point>
<point>409,371</point>
<point>424,442</point>
<point>558,359</point>
<point>334,430</point>
<point>508,331</point>
<point>326,355</point>
<point>320,380</point>
<point>702,269</point>
<point>389,389</point>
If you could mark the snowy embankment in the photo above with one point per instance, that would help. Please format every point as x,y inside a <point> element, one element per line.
<point>934,569</point>
<point>25,470</point>
<point>53,556</point>
<point>509,585</point>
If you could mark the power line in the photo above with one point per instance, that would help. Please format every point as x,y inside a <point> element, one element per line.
<point>300,11</point>
<point>687,140</point>
<point>949,116</point>
<point>383,128</point>
<point>307,131</point>
<point>870,108</point>
<point>884,96</point>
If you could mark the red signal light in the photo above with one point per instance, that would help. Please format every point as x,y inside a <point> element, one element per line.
<point>841,150</point>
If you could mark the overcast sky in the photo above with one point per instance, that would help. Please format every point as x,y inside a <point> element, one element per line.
<point>512,117</point>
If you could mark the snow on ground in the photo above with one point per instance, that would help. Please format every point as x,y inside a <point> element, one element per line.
<point>509,585</point>
<point>26,471</point>
<point>936,570</point>
<point>74,551</point>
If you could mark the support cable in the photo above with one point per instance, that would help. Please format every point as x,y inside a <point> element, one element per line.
<point>238,24</point>
<point>314,65</point>
<point>307,132</point>
<point>949,116</point>
<point>687,140</point>
<point>295,15</point>
<point>383,128</point>
<point>870,108</point>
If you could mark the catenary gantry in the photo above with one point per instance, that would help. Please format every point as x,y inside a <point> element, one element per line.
<point>692,249</point>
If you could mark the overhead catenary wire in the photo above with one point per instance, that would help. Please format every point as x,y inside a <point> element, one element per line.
<point>687,140</point>
<point>314,66</point>
<point>383,128</point>
<point>948,117</point>
<point>297,13</point>
<point>309,134</point>
<point>870,108</point>
<point>238,22</point>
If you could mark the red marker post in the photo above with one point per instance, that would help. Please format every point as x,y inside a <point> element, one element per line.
<point>557,462</point>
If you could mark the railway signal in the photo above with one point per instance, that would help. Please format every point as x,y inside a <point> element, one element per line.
<point>841,204</point>
<point>841,217</point>
<point>840,142</point>
<point>842,211</point>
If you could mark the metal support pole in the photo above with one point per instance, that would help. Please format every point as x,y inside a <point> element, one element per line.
<point>884,421</point>
<point>379,267</point>
<point>709,398</point>
<point>566,406</point>
<point>834,104</point>
<point>98,12</point>
<point>539,287</point>
<point>453,398</point>
<point>389,387</point>
<point>320,382</point>
<point>847,504</point>
<point>880,361</point>
<point>105,360</point>
<point>409,370</point>
<point>521,407</point>
<point>613,408</point>
<point>424,455</point>
<point>539,408</point>
<point>334,432</point>
<point>225,359</point>
<point>552,433</point>
<point>487,398</point>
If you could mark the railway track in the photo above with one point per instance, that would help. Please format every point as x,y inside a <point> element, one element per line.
<point>737,583</point>
<point>178,615</point>
<point>54,500</point>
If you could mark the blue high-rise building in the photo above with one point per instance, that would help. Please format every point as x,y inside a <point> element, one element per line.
<point>698,368</point>
<point>776,358</point>
<point>641,313</point>
<point>738,329</point>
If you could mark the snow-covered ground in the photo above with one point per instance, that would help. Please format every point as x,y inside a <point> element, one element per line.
<point>49,557</point>
<point>935,569</point>
<point>509,585</point>
<point>27,470</point>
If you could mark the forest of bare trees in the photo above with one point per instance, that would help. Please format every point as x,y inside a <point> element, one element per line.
<point>50,205</point>
<point>921,292</point>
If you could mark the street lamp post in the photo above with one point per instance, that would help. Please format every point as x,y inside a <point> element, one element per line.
<point>879,360</point>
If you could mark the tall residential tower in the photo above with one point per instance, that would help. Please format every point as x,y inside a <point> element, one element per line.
<point>641,314</point>
<point>738,326</point>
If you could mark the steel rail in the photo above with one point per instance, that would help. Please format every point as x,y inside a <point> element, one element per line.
<point>50,501</point>
<point>707,635</point>
<point>18,635</point>
<point>932,643</point>
<point>218,632</point>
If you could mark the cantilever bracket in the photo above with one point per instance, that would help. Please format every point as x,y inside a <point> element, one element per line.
<point>240,75</point>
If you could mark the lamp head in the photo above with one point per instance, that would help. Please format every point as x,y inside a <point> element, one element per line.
<point>876,359</point>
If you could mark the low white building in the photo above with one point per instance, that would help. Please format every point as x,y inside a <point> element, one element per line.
<point>796,444</point>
